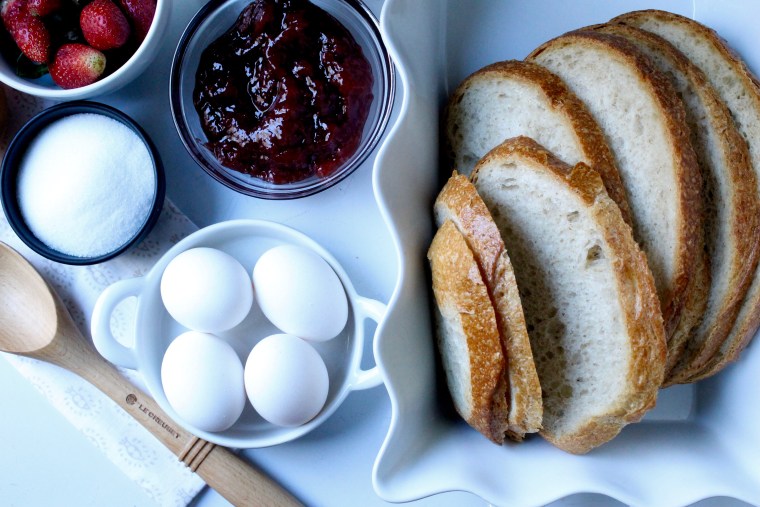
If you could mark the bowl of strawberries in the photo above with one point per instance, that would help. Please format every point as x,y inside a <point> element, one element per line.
<point>75,49</point>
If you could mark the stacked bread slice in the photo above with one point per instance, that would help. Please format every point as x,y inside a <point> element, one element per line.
<point>644,124</point>
<point>739,89</point>
<point>460,204</point>
<point>729,196</point>
<point>649,121</point>
<point>513,98</point>
<point>589,298</point>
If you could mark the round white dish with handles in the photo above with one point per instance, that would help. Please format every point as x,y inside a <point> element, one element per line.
<point>154,330</point>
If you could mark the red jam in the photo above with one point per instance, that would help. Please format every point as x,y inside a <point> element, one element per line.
<point>284,94</point>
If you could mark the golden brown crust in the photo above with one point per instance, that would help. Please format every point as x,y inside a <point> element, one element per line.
<point>706,361</point>
<point>459,288</point>
<point>459,202</point>
<point>587,133</point>
<point>636,289</point>
<point>690,225</point>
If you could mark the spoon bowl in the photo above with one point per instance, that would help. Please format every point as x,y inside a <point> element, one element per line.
<point>30,315</point>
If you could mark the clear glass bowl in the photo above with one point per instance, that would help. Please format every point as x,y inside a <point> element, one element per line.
<point>212,21</point>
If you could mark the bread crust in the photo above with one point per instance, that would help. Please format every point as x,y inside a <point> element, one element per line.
<point>742,253</point>
<point>586,131</point>
<point>459,289</point>
<point>636,289</point>
<point>706,361</point>
<point>690,224</point>
<point>460,203</point>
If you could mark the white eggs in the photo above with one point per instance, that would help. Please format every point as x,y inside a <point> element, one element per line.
<point>299,293</point>
<point>207,290</point>
<point>286,380</point>
<point>202,378</point>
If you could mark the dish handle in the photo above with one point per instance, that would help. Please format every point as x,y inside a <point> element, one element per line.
<point>375,310</point>
<point>105,342</point>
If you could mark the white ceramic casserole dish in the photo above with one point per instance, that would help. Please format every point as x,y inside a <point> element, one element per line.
<point>701,441</point>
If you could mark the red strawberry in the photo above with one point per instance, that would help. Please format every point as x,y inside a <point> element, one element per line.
<point>29,33</point>
<point>141,14</point>
<point>104,25</point>
<point>10,10</point>
<point>77,65</point>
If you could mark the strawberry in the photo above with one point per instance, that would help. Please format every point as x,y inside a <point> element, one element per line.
<point>141,14</point>
<point>29,33</point>
<point>103,24</point>
<point>10,10</point>
<point>42,8</point>
<point>77,65</point>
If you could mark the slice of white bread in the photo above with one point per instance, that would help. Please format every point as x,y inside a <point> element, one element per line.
<point>589,298</point>
<point>730,197</point>
<point>460,203</point>
<point>514,98</point>
<point>468,338</point>
<point>740,90</point>
<point>644,123</point>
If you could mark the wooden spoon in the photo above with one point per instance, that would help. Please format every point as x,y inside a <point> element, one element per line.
<point>35,323</point>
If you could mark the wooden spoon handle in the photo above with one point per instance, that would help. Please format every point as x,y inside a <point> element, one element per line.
<point>240,483</point>
<point>233,478</point>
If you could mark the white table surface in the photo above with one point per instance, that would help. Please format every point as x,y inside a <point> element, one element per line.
<point>44,461</point>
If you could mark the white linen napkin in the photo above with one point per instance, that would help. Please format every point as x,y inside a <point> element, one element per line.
<point>124,441</point>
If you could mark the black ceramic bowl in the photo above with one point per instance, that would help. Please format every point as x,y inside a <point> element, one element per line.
<point>12,162</point>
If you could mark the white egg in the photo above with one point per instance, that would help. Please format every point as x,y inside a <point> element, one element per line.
<point>286,380</point>
<point>300,293</point>
<point>202,377</point>
<point>207,290</point>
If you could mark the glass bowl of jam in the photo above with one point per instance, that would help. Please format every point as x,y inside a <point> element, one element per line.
<point>281,99</point>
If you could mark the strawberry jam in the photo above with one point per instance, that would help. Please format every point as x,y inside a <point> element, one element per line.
<point>284,94</point>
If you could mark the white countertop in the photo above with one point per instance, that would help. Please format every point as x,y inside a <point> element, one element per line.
<point>46,461</point>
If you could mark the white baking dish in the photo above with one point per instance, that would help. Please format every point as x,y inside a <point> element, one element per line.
<point>701,441</point>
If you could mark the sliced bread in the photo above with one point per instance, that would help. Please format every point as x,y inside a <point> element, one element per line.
<point>730,198</point>
<point>740,90</point>
<point>460,203</point>
<point>588,296</point>
<point>513,98</point>
<point>644,123</point>
<point>468,337</point>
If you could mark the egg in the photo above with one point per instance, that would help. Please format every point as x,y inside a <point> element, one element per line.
<point>203,380</point>
<point>286,380</point>
<point>300,293</point>
<point>205,289</point>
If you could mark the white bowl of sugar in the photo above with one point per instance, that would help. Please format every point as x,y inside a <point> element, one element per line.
<point>82,183</point>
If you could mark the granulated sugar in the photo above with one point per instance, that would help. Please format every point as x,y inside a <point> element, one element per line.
<point>86,185</point>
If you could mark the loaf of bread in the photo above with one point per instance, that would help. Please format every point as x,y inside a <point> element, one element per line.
<point>514,98</point>
<point>730,197</point>
<point>740,91</point>
<point>460,203</point>
<point>644,123</point>
<point>588,296</point>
